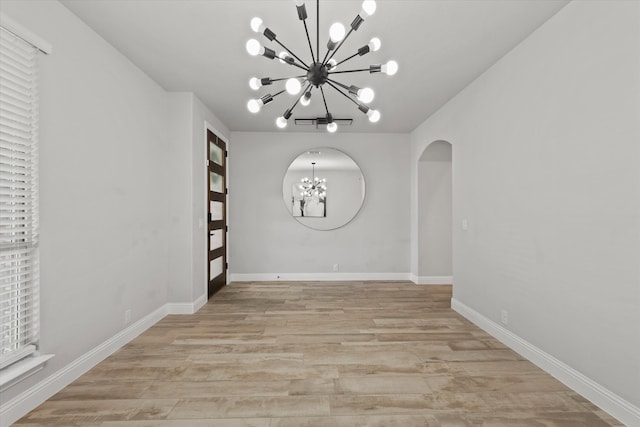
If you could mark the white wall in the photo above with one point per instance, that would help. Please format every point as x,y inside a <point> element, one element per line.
<point>103,198</point>
<point>546,153</point>
<point>267,240</point>
<point>179,172</point>
<point>435,213</point>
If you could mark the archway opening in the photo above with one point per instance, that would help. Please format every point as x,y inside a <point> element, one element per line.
<point>435,214</point>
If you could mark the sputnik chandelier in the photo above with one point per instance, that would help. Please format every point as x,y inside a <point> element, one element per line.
<point>314,186</point>
<point>318,73</point>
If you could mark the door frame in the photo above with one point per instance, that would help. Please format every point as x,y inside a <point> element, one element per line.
<point>205,197</point>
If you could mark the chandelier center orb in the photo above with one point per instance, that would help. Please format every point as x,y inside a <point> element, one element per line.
<point>317,74</point>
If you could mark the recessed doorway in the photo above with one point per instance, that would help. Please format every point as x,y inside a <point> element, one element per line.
<point>435,215</point>
<point>217,213</point>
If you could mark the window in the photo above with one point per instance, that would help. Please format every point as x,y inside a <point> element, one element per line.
<point>19,309</point>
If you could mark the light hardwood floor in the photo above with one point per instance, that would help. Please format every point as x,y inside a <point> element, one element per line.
<point>317,354</point>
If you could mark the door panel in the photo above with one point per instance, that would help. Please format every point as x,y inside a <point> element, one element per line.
<point>216,266</point>
<point>216,239</point>
<point>216,211</point>
<point>216,182</point>
<point>217,217</point>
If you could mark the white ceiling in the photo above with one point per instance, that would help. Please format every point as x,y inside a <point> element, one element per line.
<point>198,46</point>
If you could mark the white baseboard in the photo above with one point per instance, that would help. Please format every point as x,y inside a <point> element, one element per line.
<point>180,308</point>
<point>20,405</point>
<point>317,277</point>
<point>432,280</point>
<point>186,307</point>
<point>615,405</point>
<point>200,302</point>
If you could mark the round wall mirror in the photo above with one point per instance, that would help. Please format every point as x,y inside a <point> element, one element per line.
<point>323,188</point>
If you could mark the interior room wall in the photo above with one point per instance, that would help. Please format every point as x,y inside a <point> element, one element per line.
<point>267,241</point>
<point>435,214</point>
<point>178,202</point>
<point>103,205</point>
<point>546,152</point>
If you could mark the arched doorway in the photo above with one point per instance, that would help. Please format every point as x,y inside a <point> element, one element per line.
<point>435,214</point>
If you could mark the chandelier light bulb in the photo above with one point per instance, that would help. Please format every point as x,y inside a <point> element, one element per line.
<point>390,68</point>
<point>255,83</point>
<point>337,32</point>
<point>254,105</point>
<point>284,56</point>
<point>256,25</point>
<point>293,86</point>
<point>368,8</point>
<point>374,116</point>
<point>375,44</point>
<point>253,47</point>
<point>306,99</point>
<point>281,122</point>
<point>332,127</point>
<point>366,95</point>
<point>299,3</point>
<point>331,64</point>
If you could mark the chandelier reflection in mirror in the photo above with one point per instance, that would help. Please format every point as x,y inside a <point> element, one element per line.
<point>319,73</point>
<point>314,186</point>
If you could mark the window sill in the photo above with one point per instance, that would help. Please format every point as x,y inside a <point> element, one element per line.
<point>17,372</point>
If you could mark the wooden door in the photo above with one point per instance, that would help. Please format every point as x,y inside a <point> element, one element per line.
<point>217,218</point>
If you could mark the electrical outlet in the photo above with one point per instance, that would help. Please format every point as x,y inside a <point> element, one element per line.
<point>127,316</point>
<point>336,267</point>
<point>504,317</point>
<point>465,224</point>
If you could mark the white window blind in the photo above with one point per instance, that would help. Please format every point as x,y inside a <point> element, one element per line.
<point>19,308</point>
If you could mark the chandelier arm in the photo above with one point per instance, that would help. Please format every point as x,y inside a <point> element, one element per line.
<point>268,97</point>
<point>338,83</point>
<point>306,30</point>
<point>325,101</point>
<point>344,94</point>
<point>296,65</point>
<point>350,71</point>
<point>306,67</point>
<point>287,78</point>
<point>324,61</point>
<point>317,30</point>
<point>346,59</point>
<point>339,46</point>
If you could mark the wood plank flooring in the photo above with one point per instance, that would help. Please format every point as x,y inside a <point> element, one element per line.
<point>291,354</point>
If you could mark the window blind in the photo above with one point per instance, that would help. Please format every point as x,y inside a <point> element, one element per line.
<point>19,308</point>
